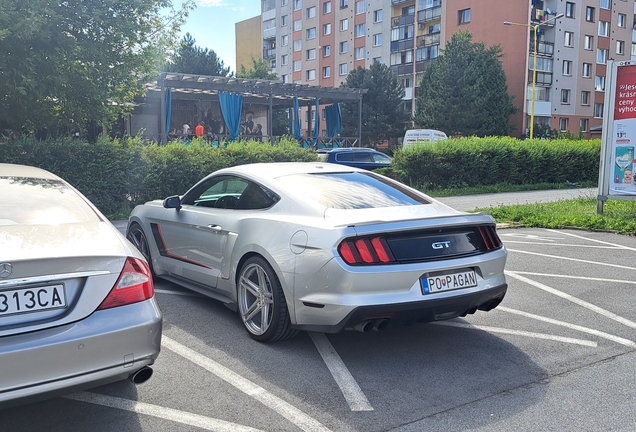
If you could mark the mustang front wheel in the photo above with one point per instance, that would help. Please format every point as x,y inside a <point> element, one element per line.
<point>261,302</point>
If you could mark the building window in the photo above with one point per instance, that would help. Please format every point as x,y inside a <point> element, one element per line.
<point>284,40</point>
<point>311,74</point>
<point>435,28</point>
<point>567,68</point>
<point>589,14</point>
<point>284,78</point>
<point>377,59</point>
<point>343,69</point>
<point>569,9</point>
<point>603,28</point>
<point>406,82</point>
<point>620,47</point>
<point>377,39</point>
<point>565,96</point>
<point>598,110</point>
<point>284,59</point>
<point>377,16</point>
<point>359,53</point>
<point>601,56</point>
<point>605,4</point>
<point>326,72</point>
<point>599,83</point>
<point>344,24</point>
<point>298,45</point>
<point>326,7</point>
<point>284,20</point>
<point>463,16</point>
<point>326,51</point>
<point>633,49</point>
<point>583,125</point>
<point>361,7</point>
<point>587,70</point>
<point>298,25</point>
<point>297,65</point>
<point>284,2</point>
<point>568,39</point>
<point>344,47</point>
<point>311,12</point>
<point>585,98</point>
<point>621,20</point>
<point>326,29</point>
<point>360,30</point>
<point>344,4</point>
<point>311,54</point>
<point>563,124</point>
<point>298,4</point>
<point>311,33</point>
<point>588,42</point>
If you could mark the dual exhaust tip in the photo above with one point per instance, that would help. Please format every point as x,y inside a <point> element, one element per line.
<point>369,325</point>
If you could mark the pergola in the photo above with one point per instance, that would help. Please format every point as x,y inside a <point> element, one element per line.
<point>273,94</point>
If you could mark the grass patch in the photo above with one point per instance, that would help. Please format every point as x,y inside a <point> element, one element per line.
<point>618,216</point>
<point>503,187</point>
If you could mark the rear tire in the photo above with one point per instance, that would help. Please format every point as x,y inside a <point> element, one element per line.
<point>261,302</point>
<point>138,238</point>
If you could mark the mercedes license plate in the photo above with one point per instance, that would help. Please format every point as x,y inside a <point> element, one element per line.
<point>32,299</point>
<point>448,282</point>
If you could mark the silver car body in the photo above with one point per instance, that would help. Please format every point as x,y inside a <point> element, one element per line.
<point>56,270</point>
<point>203,249</point>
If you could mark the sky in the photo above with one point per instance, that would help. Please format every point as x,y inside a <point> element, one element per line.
<point>211,24</point>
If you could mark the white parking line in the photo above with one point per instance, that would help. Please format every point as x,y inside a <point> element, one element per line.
<point>577,277</point>
<point>594,240</point>
<point>573,299</point>
<point>290,412</point>
<point>561,244</point>
<point>518,333</point>
<point>350,389</point>
<point>601,334</point>
<point>174,415</point>
<point>573,259</point>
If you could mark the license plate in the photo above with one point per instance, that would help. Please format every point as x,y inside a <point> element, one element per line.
<point>448,282</point>
<point>32,299</point>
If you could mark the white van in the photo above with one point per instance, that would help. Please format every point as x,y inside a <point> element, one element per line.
<point>422,136</point>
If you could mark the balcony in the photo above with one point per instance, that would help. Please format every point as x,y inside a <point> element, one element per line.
<point>427,40</point>
<point>429,14</point>
<point>538,16</point>
<point>407,68</point>
<point>543,78</point>
<point>543,48</point>
<point>402,45</point>
<point>394,2</point>
<point>269,53</point>
<point>402,20</point>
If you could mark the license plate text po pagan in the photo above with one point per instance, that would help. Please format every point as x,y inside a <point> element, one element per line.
<point>32,299</point>
<point>448,282</point>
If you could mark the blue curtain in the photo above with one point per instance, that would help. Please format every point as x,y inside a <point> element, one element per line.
<point>333,120</point>
<point>296,129</point>
<point>168,107</point>
<point>231,107</point>
<point>317,122</point>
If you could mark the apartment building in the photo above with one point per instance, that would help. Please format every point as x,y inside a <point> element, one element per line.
<point>318,42</point>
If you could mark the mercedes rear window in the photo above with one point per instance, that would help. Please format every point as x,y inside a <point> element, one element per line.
<point>35,201</point>
<point>352,190</point>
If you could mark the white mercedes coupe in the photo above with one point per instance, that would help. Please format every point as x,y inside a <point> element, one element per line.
<point>321,247</point>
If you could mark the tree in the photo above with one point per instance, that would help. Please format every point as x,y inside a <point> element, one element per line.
<point>260,70</point>
<point>66,63</point>
<point>192,59</point>
<point>464,91</point>
<point>383,116</point>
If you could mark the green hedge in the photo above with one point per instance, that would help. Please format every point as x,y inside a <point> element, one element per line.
<point>469,162</point>
<point>116,175</point>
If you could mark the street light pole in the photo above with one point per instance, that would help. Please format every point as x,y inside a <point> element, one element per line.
<point>534,63</point>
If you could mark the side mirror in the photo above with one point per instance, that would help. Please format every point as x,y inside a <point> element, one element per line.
<point>172,202</point>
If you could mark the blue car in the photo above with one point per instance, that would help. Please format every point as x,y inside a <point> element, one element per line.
<point>365,158</point>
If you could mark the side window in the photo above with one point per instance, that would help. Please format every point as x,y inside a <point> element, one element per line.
<point>217,192</point>
<point>381,158</point>
<point>256,197</point>
<point>344,157</point>
<point>363,157</point>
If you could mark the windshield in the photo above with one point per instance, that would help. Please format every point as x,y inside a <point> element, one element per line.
<point>352,190</point>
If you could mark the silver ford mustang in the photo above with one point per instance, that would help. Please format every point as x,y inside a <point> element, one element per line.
<point>77,305</point>
<point>321,247</point>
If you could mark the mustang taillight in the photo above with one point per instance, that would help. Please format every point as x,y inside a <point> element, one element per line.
<point>490,237</point>
<point>365,250</point>
<point>134,285</point>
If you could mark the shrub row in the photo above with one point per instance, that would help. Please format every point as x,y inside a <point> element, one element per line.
<point>494,160</point>
<point>118,174</point>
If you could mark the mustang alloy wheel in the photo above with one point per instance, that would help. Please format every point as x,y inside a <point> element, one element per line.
<point>261,302</point>
<point>137,237</point>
